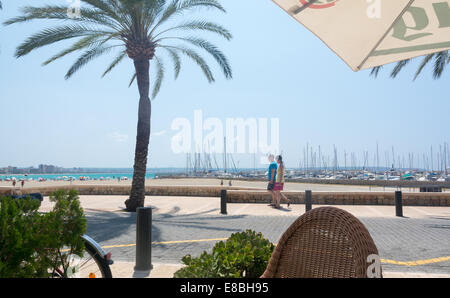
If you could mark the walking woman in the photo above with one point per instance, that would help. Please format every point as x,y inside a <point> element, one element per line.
<point>279,183</point>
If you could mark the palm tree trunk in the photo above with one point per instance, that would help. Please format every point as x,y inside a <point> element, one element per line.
<point>137,195</point>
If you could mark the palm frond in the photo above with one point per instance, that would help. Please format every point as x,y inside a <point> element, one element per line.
<point>196,58</point>
<point>441,60</point>
<point>190,4</point>
<point>152,9</point>
<point>424,63</point>
<point>159,76</point>
<point>176,61</point>
<point>85,42</point>
<point>199,25</point>
<point>115,62</point>
<point>177,7</point>
<point>106,7</point>
<point>439,64</point>
<point>86,58</point>
<point>170,10</point>
<point>213,51</point>
<point>375,71</point>
<point>398,67</point>
<point>59,12</point>
<point>52,35</point>
<point>132,80</point>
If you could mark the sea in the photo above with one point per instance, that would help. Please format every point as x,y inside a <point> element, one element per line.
<point>71,176</point>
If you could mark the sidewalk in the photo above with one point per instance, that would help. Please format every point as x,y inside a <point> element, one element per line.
<point>211,206</point>
<point>126,270</point>
<point>416,245</point>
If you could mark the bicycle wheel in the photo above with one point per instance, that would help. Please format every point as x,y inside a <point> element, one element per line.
<point>94,263</point>
<point>101,267</point>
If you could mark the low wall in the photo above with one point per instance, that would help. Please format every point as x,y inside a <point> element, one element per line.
<point>345,198</point>
<point>253,195</point>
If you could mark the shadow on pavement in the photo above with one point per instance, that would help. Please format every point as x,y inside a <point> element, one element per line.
<point>196,220</point>
<point>105,226</point>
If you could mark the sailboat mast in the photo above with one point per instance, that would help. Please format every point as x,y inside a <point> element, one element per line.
<point>225,155</point>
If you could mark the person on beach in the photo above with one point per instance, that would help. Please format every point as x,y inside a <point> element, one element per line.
<point>272,175</point>
<point>14,183</point>
<point>279,183</point>
<point>23,183</point>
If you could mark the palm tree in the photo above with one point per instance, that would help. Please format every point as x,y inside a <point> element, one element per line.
<point>134,28</point>
<point>441,59</point>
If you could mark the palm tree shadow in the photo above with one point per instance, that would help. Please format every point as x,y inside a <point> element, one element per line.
<point>103,226</point>
<point>174,213</point>
<point>106,226</point>
<point>198,220</point>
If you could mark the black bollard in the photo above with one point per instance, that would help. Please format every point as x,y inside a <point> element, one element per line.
<point>308,200</point>
<point>398,204</point>
<point>143,239</point>
<point>223,201</point>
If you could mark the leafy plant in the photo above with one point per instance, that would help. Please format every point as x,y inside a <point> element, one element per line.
<point>244,254</point>
<point>18,240</point>
<point>33,244</point>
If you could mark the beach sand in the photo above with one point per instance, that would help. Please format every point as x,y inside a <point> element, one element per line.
<point>289,186</point>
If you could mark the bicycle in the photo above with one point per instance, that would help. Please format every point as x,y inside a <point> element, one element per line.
<point>94,263</point>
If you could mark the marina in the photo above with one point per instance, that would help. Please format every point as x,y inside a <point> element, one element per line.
<point>314,163</point>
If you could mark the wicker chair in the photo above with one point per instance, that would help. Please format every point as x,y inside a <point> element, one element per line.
<point>325,242</point>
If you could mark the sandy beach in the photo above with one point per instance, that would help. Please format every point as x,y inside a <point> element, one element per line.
<point>289,186</point>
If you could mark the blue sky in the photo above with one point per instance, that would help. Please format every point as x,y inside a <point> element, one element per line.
<point>280,69</point>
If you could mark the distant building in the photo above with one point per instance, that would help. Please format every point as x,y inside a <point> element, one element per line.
<point>49,169</point>
<point>41,169</point>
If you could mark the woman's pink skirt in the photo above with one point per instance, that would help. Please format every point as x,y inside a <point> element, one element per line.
<point>278,186</point>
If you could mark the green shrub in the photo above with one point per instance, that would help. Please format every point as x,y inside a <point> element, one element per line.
<point>244,254</point>
<point>18,241</point>
<point>34,244</point>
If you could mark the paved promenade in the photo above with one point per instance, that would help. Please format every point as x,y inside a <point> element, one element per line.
<point>416,245</point>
